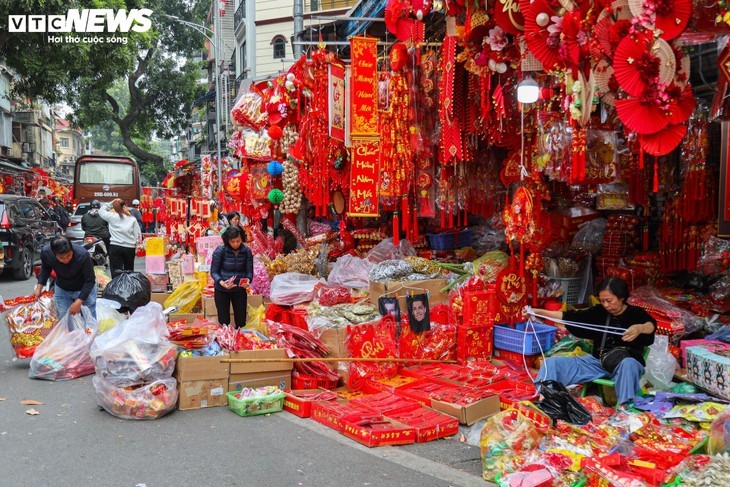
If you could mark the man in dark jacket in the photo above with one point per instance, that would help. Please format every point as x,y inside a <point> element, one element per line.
<point>134,211</point>
<point>94,225</point>
<point>75,279</point>
<point>61,213</point>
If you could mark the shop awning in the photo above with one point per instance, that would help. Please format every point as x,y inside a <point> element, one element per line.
<point>7,165</point>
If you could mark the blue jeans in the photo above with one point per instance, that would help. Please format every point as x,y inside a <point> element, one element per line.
<point>576,370</point>
<point>64,300</point>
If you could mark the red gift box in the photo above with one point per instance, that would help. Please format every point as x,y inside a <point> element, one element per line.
<point>480,307</point>
<point>422,390</point>
<point>385,402</point>
<point>299,402</point>
<point>376,430</point>
<point>474,342</point>
<point>330,413</point>
<point>428,424</point>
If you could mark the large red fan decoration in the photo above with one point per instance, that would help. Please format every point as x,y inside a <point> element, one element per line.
<point>682,105</point>
<point>642,118</point>
<point>641,62</point>
<point>542,44</point>
<point>664,141</point>
<point>671,16</point>
<point>397,19</point>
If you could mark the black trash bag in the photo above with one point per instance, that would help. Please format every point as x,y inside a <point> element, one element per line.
<point>130,289</point>
<point>559,404</point>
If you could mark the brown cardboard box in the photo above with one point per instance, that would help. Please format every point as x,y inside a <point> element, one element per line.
<point>472,413</point>
<point>159,298</point>
<point>254,367</point>
<point>433,286</point>
<point>209,308</point>
<point>335,338</point>
<point>278,378</point>
<point>202,394</point>
<point>187,317</point>
<point>202,368</point>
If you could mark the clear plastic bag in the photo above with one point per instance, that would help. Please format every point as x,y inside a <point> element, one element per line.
<point>64,354</point>
<point>185,297</point>
<point>385,250</point>
<point>107,314</point>
<point>719,438</point>
<point>293,288</point>
<point>350,271</point>
<point>590,237</point>
<point>29,324</point>
<point>130,289</point>
<point>661,309</point>
<point>660,365</point>
<point>136,350</point>
<point>146,401</point>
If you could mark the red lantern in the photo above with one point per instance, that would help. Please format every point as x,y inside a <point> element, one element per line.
<point>275,132</point>
<point>398,56</point>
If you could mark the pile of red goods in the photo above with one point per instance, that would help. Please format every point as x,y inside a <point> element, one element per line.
<point>197,334</point>
<point>301,343</point>
<point>30,323</point>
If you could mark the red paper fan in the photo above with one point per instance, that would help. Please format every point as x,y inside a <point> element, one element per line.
<point>397,21</point>
<point>601,32</point>
<point>571,28</point>
<point>664,141</point>
<point>537,36</point>
<point>624,63</point>
<point>603,74</point>
<point>682,107</point>
<point>671,16</point>
<point>642,118</point>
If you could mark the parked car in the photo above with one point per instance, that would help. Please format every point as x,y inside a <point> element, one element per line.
<point>74,230</point>
<point>25,227</point>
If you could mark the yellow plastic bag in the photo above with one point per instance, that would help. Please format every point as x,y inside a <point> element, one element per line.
<point>255,319</point>
<point>185,297</point>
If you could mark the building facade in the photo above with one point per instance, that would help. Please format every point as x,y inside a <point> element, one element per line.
<point>33,135</point>
<point>69,147</point>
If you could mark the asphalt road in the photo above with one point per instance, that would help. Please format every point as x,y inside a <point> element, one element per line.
<point>72,442</point>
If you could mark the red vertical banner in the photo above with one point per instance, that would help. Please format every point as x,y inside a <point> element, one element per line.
<point>723,217</point>
<point>336,104</point>
<point>364,172</point>
<point>364,87</point>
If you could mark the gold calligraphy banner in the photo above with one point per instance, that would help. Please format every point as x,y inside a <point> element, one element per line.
<point>364,175</point>
<point>364,87</point>
<point>337,102</point>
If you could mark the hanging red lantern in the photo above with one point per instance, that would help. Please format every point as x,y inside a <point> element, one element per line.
<point>398,56</point>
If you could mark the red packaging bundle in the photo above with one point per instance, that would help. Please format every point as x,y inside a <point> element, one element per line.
<point>330,296</point>
<point>438,343</point>
<point>29,324</point>
<point>372,341</point>
<point>385,402</point>
<point>147,401</point>
<point>197,334</point>
<point>302,344</point>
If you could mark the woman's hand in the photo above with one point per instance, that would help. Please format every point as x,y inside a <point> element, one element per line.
<point>227,284</point>
<point>635,330</point>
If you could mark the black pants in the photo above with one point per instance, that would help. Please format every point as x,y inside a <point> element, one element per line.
<point>121,259</point>
<point>223,302</point>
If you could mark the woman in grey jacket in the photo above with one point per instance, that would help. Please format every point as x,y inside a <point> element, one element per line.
<point>124,233</point>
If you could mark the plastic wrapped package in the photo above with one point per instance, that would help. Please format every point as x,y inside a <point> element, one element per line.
<point>29,324</point>
<point>293,288</point>
<point>506,438</point>
<point>350,271</point>
<point>720,290</point>
<point>107,314</point>
<point>136,350</point>
<point>390,270</point>
<point>590,237</point>
<point>373,340</point>
<point>146,401</point>
<point>255,319</point>
<point>130,289</point>
<point>490,264</point>
<point>103,278</point>
<point>715,258</point>
<point>260,283</point>
<point>247,111</point>
<point>385,250</point>
<point>64,354</point>
<point>198,334</point>
<point>332,296</point>
<point>438,343</point>
<point>662,310</point>
<point>185,297</point>
<point>660,364</point>
<point>719,438</point>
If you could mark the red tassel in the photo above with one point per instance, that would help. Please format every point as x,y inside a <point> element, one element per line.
<point>415,226</point>
<point>396,229</point>
<point>443,216</point>
<point>522,260</point>
<point>655,187</point>
<point>451,216</point>
<point>343,229</point>
<point>406,215</point>
<point>641,155</point>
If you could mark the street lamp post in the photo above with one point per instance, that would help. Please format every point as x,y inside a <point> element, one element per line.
<point>203,30</point>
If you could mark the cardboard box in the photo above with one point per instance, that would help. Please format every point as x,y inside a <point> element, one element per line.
<point>187,317</point>
<point>159,298</point>
<point>209,309</point>
<point>253,367</point>
<point>470,414</point>
<point>278,378</point>
<point>428,424</point>
<point>202,368</point>
<point>202,394</point>
<point>433,286</point>
<point>335,338</point>
<point>299,402</point>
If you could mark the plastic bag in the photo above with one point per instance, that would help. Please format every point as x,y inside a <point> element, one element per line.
<point>590,237</point>
<point>29,324</point>
<point>660,364</point>
<point>103,278</point>
<point>136,350</point>
<point>350,271</point>
<point>385,250</point>
<point>130,289</point>
<point>255,319</point>
<point>488,265</point>
<point>559,404</point>
<point>146,401</point>
<point>64,354</point>
<point>719,440</point>
<point>185,297</point>
<point>332,296</point>
<point>293,288</point>
<point>375,340</point>
<point>663,310</point>
<point>506,438</point>
<point>107,314</point>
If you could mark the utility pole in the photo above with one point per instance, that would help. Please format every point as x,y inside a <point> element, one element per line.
<point>298,27</point>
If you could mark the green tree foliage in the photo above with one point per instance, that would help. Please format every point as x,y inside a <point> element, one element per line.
<point>161,83</point>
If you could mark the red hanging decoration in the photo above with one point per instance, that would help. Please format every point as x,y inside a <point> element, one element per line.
<point>396,228</point>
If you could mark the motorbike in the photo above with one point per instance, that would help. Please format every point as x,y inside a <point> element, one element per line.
<point>97,251</point>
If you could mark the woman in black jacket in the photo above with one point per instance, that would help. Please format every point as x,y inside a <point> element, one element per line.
<point>232,270</point>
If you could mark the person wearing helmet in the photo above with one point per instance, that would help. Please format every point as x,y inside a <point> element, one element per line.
<point>94,225</point>
<point>134,211</point>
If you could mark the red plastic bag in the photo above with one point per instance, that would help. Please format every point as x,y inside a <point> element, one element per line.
<point>372,341</point>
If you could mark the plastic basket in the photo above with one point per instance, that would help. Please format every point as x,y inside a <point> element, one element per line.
<point>450,240</point>
<point>571,289</point>
<point>525,342</point>
<point>253,406</point>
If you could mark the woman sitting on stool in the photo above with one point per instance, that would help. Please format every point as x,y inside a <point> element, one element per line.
<point>625,361</point>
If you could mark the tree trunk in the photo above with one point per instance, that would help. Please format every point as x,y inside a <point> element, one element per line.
<point>138,152</point>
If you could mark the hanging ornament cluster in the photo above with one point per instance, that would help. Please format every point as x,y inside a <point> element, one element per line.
<point>275,196</point>
<point>292,192</point>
